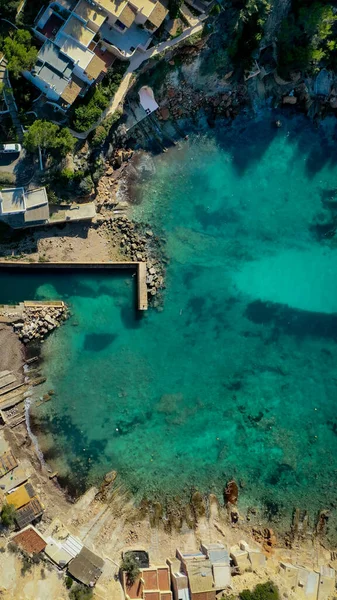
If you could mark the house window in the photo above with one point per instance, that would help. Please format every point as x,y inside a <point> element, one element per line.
<point>120,25</point>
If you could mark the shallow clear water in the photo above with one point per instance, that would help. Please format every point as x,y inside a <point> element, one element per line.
<point>237,377</point>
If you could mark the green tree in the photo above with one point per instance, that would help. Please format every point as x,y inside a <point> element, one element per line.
<point>49,137</point>
<point>19,52</point>
<point>8,515</point>
<point>263,591</point>
<point>131,568</point>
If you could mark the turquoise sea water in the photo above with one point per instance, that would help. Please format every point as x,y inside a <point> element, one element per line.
<point>237,376</point>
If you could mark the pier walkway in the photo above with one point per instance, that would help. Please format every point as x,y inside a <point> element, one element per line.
<point>139,267</point>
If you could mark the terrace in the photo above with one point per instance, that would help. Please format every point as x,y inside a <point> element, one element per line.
<point>104,55</point>
<point>127,42</point>
<point>52,26</point>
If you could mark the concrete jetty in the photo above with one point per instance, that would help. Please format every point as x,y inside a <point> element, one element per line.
<point>140,267</point>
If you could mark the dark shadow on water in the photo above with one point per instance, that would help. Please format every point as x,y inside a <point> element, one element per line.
<point>292,321</point>
<point>215,218</point>
<point>96,342</point>
<point>248,139</point>
<point>131,319</point>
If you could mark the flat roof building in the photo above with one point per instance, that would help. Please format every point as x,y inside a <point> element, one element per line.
<point>20,208</point>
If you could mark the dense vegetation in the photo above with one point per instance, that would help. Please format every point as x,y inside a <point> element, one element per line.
<point>88,111</point>
<point>19,51</point>
<point>307,37</point>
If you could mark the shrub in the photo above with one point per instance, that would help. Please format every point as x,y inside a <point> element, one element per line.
<point>131,568</point>
<point>6,178</point>
<point>13,547</point>
<point>102,131</point>
<point>66,174</point>
<point>26,565</point>
<point>69,582</point>
<point>99,136</point>
<point>8,515</point>
<point>79,592</point>
<point>215,10</point>
<point>85,186</point>
<point>263,591</point>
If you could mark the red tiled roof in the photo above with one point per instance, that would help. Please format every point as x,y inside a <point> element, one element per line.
<point>30,540</point>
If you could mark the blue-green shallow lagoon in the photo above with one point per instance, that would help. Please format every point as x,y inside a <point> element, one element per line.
<point>237,376</point>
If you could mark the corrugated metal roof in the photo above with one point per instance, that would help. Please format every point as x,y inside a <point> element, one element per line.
<point>72,545</point>
<point>29,512</point>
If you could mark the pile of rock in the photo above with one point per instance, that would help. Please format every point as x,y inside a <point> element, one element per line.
<point>38,321</point>
<point>139,244</point>
<point>186,101</point>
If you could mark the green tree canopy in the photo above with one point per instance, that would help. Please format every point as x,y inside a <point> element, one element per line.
<point>49,137</point>
<point>20,53</point>
<point>7,515</point>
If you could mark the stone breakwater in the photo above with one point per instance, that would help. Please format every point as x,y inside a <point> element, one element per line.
<point>139,244</point>
<point>38,321</point>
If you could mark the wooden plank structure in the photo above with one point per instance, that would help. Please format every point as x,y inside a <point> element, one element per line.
<point>8,462</point>
<point>140,267</point>
<point>6,378</point>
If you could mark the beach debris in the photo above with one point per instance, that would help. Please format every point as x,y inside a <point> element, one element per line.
<point>231,492</point>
